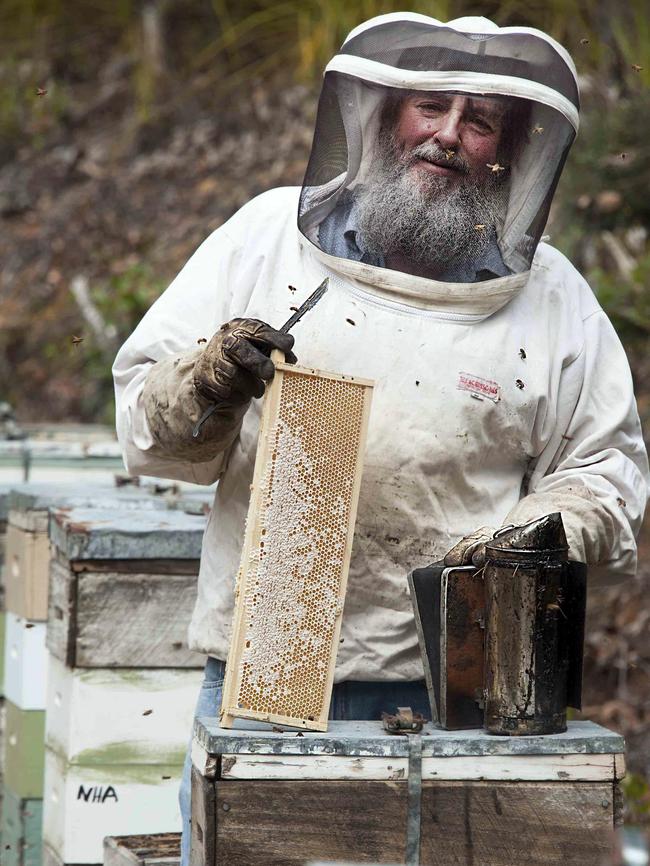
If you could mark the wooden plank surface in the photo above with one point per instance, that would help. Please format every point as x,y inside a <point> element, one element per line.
<point>204,821</point>
<point>135,620</point>
<point>502,824</point>
<point>583,768</point>
<point>160,849</point>
<point>62,613</point>
<point>463,824</point>
<point>370,739</point>
<point>116,619</point>
<point>287,823</point>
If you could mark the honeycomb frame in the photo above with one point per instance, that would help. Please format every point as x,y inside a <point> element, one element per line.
<point>294,566</point>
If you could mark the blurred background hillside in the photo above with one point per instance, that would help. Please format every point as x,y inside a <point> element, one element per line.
<point>130,130</point>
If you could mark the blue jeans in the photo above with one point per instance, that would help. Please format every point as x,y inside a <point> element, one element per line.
<point>350,700</point>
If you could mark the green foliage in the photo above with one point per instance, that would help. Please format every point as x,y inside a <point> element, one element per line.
<point>627,302</point>
<point>637,799</point>
<point>122,303</point>
<point>128,296</point>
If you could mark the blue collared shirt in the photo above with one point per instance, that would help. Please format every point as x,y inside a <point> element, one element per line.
<point>339,236</point>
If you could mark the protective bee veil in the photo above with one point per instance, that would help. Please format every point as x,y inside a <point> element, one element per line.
<point>438,143</point>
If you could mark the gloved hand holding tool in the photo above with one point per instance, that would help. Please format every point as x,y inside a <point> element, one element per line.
<point>236,364</point>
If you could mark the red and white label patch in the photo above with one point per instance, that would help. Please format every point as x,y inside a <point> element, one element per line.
<point>479,387</point>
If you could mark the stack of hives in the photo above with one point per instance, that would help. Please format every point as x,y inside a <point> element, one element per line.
<point>25,583</point>
<point>4,491</point>
<point>122,684</point>
<point>26,574</point>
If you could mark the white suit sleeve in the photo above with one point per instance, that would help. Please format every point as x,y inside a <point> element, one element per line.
<point>194,306</point>
<point>594,469</point>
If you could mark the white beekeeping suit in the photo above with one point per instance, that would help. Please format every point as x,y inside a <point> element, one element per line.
<point>499,397</point>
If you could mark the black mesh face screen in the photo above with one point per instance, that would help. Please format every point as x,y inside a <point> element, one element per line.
<point>422,47</point>
<point>362,105</point>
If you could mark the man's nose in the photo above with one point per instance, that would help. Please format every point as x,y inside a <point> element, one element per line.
<point>448,133</point>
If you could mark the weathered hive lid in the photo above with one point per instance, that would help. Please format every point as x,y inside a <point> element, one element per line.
<point>33,500</point>
<point>96,533</point>
<point>368,739</point>
<point>41,496</point>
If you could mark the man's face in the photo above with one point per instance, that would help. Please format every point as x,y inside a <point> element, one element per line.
<point>449,135</point>
<point>429,197</point>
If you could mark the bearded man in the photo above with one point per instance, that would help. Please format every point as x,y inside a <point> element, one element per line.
<point>502,392</point>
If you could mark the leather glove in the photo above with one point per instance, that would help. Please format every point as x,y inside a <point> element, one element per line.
<point>470,550</point>
<point>235,364</point>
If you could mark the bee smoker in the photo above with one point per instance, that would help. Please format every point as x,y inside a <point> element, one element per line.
<point>532,629</point>
<point>502,645</point>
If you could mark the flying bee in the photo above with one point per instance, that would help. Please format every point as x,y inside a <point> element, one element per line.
<point>496,168</point>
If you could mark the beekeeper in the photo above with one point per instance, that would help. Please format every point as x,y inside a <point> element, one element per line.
<point>502,391</point>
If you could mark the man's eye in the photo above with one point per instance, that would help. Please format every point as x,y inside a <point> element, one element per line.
<point>481,124</point>
<point>433,106</point>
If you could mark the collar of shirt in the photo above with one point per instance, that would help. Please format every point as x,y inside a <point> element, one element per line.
<point>339,236</point>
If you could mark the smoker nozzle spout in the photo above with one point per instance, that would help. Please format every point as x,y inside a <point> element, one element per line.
<point>544,533</point>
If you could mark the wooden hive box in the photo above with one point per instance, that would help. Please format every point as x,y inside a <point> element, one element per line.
<point>292,578</point>
<point>122,587</point>
<point>27,558</point>
<point>284,800</point>
<point>162,849</point>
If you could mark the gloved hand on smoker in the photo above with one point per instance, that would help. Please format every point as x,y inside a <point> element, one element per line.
<point>470,550</point>
<point>230,370</point>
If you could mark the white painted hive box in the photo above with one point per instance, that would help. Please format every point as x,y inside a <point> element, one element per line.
<point>25,662</point>
<point>120,716</point>
<point>293,572</point>
<point>84,804</point>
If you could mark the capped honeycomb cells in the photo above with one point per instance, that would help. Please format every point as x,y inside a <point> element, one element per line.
<point>296,568</point>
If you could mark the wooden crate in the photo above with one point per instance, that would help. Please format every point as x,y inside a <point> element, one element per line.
<point>83,804</point>
<point>120,715</point>
<point>20,830</point>
<point>23,751</point>
<point>294,564</point>
<point>282,799</point>
<point>162,849</point>
<point>25,657</point>
<point>122,587</point>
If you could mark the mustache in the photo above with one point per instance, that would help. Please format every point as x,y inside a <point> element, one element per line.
<point>432,152</point>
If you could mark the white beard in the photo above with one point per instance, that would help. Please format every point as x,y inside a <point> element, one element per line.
<point>430,219</point>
